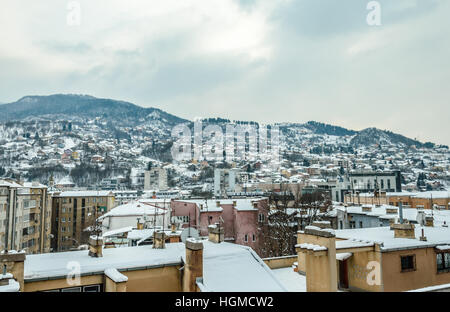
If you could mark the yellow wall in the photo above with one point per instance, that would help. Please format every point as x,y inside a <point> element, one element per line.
<point>425,275</point>
<point>358,272</point>
<point>164,279</point>
<point>281,262</point>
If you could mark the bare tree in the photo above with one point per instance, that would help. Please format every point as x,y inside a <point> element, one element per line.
<point>312,205</point>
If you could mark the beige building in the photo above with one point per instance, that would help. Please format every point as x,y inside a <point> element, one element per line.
<point>400,258</point>
<point>193,266</point>
<point>421,200</point>
<point>25,217</point>
<point>74,214</point>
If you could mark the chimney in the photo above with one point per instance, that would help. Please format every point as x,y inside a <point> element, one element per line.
<point>445,224</point>
<point>429,221</point>
<point>140,226</point>
<point>403,230</point>
<point>234,203</point>
<point>217,203</point>
<point>423,238</point>
<point>159,239</point>
<point>255,205</point>
<point>173,227</point>
<point>367,208</point>
<point>95,246</point>
<point>193,268</point>
<point>322,224</point>
<point>216,233</point>
<point>12,267</point>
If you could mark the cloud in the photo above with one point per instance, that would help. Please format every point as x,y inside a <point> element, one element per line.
<point>270,61</point>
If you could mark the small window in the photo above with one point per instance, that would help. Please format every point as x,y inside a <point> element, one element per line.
<point>246,238</point>
<point>261,217</point>
<point>361,224</point>
<point>73,289</point>
<point>443,262</point>
<point>408,263</point>
<point>254,238</point>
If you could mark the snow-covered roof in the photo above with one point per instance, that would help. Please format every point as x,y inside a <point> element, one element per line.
<point>85,194</point>
<point>242,204</point>
<point>118,231</point>
<point>227,267</point>
<point>134,209</point>
<point>9,184</point>
<point>12,286</point>
<point>291,280</point>
<point>115,275</point>
<point>437,235</point>
<point>440,216</point>
<point>433,194</point>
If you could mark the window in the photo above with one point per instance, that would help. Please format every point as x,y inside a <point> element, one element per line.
<point>246,238</point>
<point>389,184</point>
<point>352,224</point>
<point>253,238</point>
<point>408,263</point>
<point>361,224</point>
<point>341,225</point>
<point>443,262</point>
<point>382,184</point>
<point>261,217</point>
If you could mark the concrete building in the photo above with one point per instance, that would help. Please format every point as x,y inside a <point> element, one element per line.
<point>398,258</point>
<point>242,219</point>
<point>421,200</point>
<point>224,181</point>
<point>367,182</point>
<point>25,217</point>
<point>195,266</point>
<point>149,215</point>
<point>155,179</point>
<point>73,213</point>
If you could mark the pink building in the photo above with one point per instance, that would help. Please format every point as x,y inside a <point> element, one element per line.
<point>241,218</point>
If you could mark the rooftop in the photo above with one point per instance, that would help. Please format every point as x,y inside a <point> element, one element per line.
<point>241,269</point>
<point>385,236</point>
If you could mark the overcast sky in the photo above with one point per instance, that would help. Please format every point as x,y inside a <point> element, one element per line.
<point>262,60</point>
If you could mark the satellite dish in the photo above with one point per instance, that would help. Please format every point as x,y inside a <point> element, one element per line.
<point>189,232</point>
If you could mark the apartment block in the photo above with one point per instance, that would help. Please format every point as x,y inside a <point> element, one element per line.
<point>25,217</point>
<point>74,214</point>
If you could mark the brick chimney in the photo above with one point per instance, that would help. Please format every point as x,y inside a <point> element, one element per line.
<point>322,224</point>
<point>95,246</point>
<point>217,203</point>
<point>367,208</point>
<point>12,263</point>
<point>405,230</point>
<point>234,203</point>
<point>255,205</point>
<point>140,225</point>
<point>216,233</point>
<point>159,239</point>
<point>193,268</point>
<point>429,221</point>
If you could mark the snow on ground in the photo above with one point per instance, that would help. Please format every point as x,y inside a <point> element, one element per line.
<point>291,280</point>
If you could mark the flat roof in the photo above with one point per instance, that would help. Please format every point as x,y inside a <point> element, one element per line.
<point>227,267</point>
<point>384,235</point>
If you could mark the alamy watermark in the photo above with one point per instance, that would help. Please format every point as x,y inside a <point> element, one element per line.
<point>74,16</point>
<point>374,16</point>
<point>240,142</point>
<point>73,277</point>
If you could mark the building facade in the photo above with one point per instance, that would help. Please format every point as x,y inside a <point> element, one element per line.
<point>25,217</point>
<point>74,214</point>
